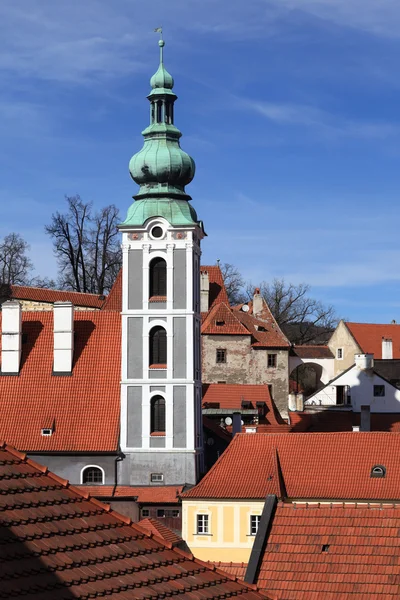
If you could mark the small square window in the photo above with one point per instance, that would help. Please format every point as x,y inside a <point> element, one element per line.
<point>160,512</point>
<point>379,391</point>
<point>272,360</point>
<point>156,478</point>
<point>47,431</point>
<point>202,524</point>
<point>220,356</point>
<point>254,523</point>
<point>145,512</point>
<point>339,353</point>
<point>220,323</point>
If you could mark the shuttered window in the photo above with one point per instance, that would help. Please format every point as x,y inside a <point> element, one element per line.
<point>158,346</point>
<point>157,420</point>
<point>158,277</point>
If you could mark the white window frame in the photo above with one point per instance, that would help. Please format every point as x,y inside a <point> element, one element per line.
<point>258,519</point>
<point>205,516</point>
<point>89,467</point>
<point>153,477</point>
<point>337,353</point>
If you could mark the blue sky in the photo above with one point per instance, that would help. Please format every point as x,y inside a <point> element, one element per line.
<point>289,108</point>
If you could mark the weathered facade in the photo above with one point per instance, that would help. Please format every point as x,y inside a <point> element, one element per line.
<point>343,347</point>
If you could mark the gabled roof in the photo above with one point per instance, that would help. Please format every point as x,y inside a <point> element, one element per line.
<point>222,321</point>
<point>24,292</point>
<point>266,333</point>
<point>312,465</point>
<point>231,396</point>
<point>335,551</point>
<point>84,406</point>
<point>157,528</point>
<point>369,337</point>
<point>163,494</point>
<point>311,351</point>
<point>58,543</point>
<point>217,287</point>
<point>114,298</point>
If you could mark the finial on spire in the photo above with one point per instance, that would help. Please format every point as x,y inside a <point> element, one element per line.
<point>161,43</point>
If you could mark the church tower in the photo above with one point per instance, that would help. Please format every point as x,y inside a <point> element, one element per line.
<point>161,420</point>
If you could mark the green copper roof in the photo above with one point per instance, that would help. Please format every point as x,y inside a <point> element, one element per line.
<point>161,168</point>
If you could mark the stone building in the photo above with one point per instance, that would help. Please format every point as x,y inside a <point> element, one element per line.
<point>244,345</point>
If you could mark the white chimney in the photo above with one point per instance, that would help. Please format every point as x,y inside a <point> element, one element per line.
<point>364,362</point>
<point>300,402</point>
<point>257,302</point>
<point>63,337</point>
<point>387,349</point>
<point>11,337</point>
<point>292,402</point>
<point>204,291</point>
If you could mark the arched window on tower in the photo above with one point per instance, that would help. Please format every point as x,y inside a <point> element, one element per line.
<point>157,416</point>
<point>158,277</point>
<point>158,347</point>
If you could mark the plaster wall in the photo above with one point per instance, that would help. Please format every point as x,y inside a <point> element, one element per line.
<point>31,305</point>
<point>236,367</point>
<point>342,338</point>
<point>327,365</point>
<point>277,377</point>
<point>361,385</point>
<point>229,536</point>
<point>178,467</point>
<point>70,467</point>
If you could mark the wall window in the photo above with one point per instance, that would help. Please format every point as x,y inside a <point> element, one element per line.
<point>339,353</point>
<point>156,477</point>
<point>202,524</point>
<point>145,512</point>
<point>158,346</point>
<point>254,523</point>
<point>157,417</point>
<point>221,355</point>
<point>92,475</point>
<point>379,391</point>
<point>167,513</point>
<point>272,360</point>
<point>158,277</point>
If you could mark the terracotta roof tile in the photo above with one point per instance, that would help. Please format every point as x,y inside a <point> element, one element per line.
<point>222,321</point>
<point>114,298</point>
<point>155,527</point>
<point>55,543</point>
<point>305,351</point>
<point>231,396</point>
<point>331,420</point>
<point>235,569</point>
<point>266,333</point>
<point>369,337</point>
<point>22,292</point>
<point>84,418</point>
<point>313,465</point>
<point>329,552</point>
<point>163,494</point>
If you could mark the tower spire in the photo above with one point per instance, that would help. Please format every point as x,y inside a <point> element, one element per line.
<point>161,169</point>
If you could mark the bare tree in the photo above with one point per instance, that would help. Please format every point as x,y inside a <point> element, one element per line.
<point>234,283</point>
<point>86,246</point>
<point>302,318</point>
<point>15,265</point>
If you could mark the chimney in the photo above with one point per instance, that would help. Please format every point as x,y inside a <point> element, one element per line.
<point>236,423</point>
<point>292,402</point>
<point>204,291</point>
<point>365,421</point>
<point>11,337</point>
<point>300,402</point>
<point>387,348</point>
<point>63,337</point>
<point>257,303</point>
<point>364,362</point>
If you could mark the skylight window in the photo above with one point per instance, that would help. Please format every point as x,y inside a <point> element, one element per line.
<point>378,471</point>
<point>46,431</point>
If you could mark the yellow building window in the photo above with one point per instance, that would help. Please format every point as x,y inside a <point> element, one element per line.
<point>202,524</point>
<point>254,523</point>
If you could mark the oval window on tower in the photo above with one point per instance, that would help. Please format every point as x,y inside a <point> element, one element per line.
<point>157,232</point>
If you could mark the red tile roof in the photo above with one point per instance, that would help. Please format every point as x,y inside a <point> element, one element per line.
<point>312,351</point>
<point>165,494</point>
<point>84,406</point>
<point>331,420</point>
<point>369,337</point>
<point>157,528</point>
<point>222,321</point>
<point>230,396</point>
<point>313,466</point>
<point>217,287</point>
<point>266,333</point>
<point>114,298</point>
<point>56,543</point>
<point>236,569</point>
<point>22,292</point>
<point>324,552</point>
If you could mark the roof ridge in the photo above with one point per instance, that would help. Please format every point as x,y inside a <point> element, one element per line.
<point>45,289</point>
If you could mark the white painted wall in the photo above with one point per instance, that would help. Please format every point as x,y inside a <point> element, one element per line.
<point>361,385</point>
<point>327,364</point>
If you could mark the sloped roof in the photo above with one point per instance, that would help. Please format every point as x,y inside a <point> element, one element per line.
<point>236,569</point>
<point>316,552</point>
<point>231,396</point>
<point>369,337</point>
<point>271,338</point>
<point>222,321</point>
<point>335,420</point>
<point>114,298</point>
<point>84,406</point>
<point>155,527</point>
<point>312,351</point>
<point>56,543</point>
<point>35,294</point>
<point>163,494</point>
<point>313,466</point>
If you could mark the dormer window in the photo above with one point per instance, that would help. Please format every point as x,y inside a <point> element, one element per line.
<point>46,431</point>
<point>220,323</point>
<point>378,471</point>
